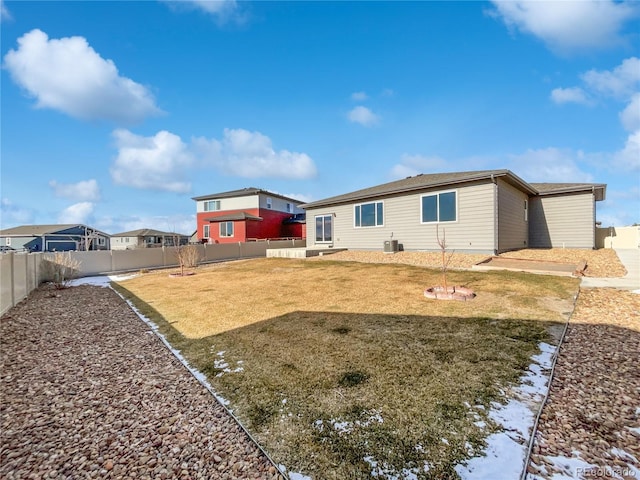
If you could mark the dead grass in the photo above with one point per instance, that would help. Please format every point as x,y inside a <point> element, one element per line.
<point>333,363</point>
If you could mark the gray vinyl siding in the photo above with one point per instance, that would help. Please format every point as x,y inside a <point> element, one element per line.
<point>474,229</point>
<point>513,230</point>
<point>562,221</point>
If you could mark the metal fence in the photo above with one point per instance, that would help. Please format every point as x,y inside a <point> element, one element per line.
<point>21,272</point>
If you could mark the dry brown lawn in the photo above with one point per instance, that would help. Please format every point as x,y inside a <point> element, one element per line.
<point>232,295</point>
<point>339,366</point>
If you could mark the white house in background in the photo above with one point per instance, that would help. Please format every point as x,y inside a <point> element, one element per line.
<point>488,211</point>
<point>146,238</point>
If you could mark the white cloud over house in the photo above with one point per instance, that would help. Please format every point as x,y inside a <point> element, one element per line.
<point>359,96</point>
<point>570,95</point>
<point>620,83</point>
<point>77,213</point>
<point>5,14</point>
<point>85,190</point>
<point>69,76</point>
<point>251,155</point>
<point>180,223</point>
<point>12,215</point>
<point>160,162</point>
<point>363,116</point>
<point>630,116</point>
<point>549,165</point>
<point>567,26</point>
<point>222,10</point>
<point>411,165</point>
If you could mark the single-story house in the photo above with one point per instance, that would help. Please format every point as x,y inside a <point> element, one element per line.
<point>146,238</point>
<point>54,238</point>
<point>248,214</point>
<point>488,211</point>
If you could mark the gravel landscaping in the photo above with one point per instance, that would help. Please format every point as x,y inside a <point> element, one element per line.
<point>590,426</point>
<point>88,391</point>
<point>600,263</point>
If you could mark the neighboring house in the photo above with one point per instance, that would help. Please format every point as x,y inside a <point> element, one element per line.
<point>488,211</point>
<point>146,238</point>
<point>54,238</point>
<point>248,214</point>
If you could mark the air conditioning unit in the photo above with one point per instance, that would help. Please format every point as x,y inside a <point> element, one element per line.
<point>390,246</point>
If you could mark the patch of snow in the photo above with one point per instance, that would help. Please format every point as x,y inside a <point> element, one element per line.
<point>384,471</point>
<point>101,280</point>
<point>293,475</point>
<point>221,364</point>
<point>505,453</point>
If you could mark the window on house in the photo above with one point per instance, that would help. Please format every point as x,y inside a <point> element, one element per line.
<point>205,231</point>
<point>211,205</point>
<point>101,241</point>
<point>269,203</point>
<point>369,214</point>
<point>324,227</point>
<point>226,229</point>
<point>289,208</point>
<point>526,210</point>
<point>440,207</point>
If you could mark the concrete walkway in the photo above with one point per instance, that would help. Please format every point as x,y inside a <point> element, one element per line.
<point>630,258</point>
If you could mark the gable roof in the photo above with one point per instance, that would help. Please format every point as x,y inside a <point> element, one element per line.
<point>244,192</point>
<point>147,232</point>
<point>421,182</point>
<point>39,230</point>
<point>599,189</point>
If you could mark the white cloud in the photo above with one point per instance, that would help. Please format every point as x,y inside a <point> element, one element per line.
<point>630,116</point>
<point>621,82</point>
<point>12,215</point>
<point>550,165</point>
<point>251,155</point>
<point>628,159</point>
<point>568,25</point>
<point>411,165</point>
<point>222,10</point>
<point>359,96</point>
<point>184,224</point>
<point>156,163</point>
<point>5,14</point>
<point>86,190</point>
<point>569,95</point>
<point>363,116</point>
<point>68,75</point>
<point>76,213</point>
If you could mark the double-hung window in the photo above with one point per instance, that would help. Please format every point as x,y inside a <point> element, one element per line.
<point>368,214</point>
<point>205,231</point>
<point>212,205</point>
<point>439,207</point>
<point>226,229</point>
<point>324,224</point>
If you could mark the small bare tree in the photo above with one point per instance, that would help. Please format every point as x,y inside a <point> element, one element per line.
<point>446,259</point>
<point>188,255</point>
<point>61,268</point>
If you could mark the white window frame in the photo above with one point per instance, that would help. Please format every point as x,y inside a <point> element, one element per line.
<point>437,195</point>
<point>206,231</point>
<point>526,210</point>
<point>216,205</point>
<point>375,203</point>
<point>289,207</point>
<point>269,203</point>
<point>8,241</point>
<point>315,221</point>
<point>226,233</point>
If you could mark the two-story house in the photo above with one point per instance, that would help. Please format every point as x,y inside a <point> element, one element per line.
<point>248,214</point>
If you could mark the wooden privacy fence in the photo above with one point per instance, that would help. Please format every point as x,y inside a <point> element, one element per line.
<point>21,273</point>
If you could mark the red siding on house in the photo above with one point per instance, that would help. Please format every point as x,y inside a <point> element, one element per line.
<point>271,226</point>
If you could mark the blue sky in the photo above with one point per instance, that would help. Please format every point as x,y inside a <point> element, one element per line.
<point>116,113</point>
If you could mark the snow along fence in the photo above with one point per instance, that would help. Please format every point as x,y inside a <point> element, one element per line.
<point>20,272</point>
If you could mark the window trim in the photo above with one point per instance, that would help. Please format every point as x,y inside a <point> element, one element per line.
<point>226,234</point>
<point>269,203</point>
<point>289,207</point>
<point>217,203</point>
<point>375,209</point>
<point>206,231</point>
<point>437,195</point>
<point>315,223</point>
<point>526,210</point>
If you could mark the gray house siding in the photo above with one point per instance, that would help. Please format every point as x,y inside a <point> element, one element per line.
<point>474,229</point>
<point>562,221</point>
<point>512,218</point>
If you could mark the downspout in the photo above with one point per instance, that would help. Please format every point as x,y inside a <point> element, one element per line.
<point>495,214</point>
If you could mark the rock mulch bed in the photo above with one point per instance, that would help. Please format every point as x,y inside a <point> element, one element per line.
<point>590,426</point>
<point>600,263</point>
<point>88,391</point>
